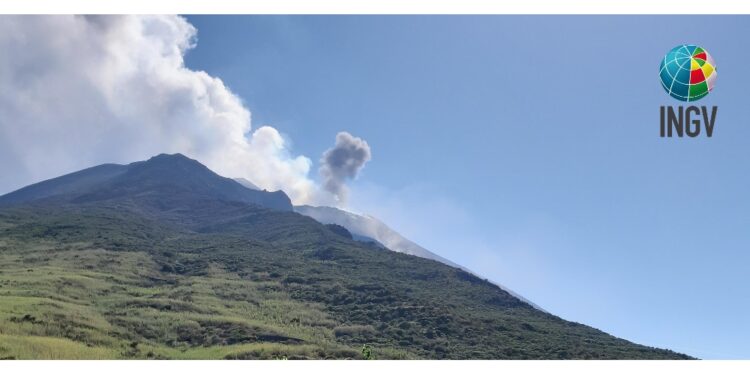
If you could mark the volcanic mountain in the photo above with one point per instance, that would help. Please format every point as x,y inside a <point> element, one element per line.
<point>166,259</point>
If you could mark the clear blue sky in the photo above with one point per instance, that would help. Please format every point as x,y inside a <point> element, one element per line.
<point>528,150</point>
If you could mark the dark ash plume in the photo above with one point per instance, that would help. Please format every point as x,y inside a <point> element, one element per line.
<point>342,162</point>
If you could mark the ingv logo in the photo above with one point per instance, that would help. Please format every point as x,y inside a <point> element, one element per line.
<point>687,73</point>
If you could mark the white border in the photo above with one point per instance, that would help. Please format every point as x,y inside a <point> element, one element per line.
<point>375,367</point>
<point>374,7</point>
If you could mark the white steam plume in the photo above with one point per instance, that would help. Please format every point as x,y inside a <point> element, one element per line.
<point>78,91</point>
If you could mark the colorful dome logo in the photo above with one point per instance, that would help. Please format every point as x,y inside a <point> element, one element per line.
<point>687,73</point>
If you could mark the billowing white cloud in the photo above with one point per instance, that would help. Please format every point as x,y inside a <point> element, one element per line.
<point>78,91</point>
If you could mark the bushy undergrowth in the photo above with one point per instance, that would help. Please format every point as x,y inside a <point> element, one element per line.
<point>116,280</point>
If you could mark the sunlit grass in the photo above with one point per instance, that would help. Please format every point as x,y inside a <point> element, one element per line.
<point>57,306</point>
<point>33,347</point>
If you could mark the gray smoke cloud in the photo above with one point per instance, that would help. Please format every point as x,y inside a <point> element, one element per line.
<point>343,162</point>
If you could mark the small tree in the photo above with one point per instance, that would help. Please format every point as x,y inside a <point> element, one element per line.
<point>366,352</point>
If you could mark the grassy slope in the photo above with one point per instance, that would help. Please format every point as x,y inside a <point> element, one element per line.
<point>230,281</point>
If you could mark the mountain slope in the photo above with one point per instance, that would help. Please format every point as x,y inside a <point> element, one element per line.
<point>247,183</point>
<point>366,228</point>
<point>137,271</point>
<point>67,184</point>
<point>370,227</point>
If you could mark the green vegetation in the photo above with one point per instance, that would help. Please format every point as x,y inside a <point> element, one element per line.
<point>98,281</point>
<point>367,352</point>
<point>165,259</point>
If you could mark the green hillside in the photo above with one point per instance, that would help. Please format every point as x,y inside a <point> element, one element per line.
<point>166,273</point>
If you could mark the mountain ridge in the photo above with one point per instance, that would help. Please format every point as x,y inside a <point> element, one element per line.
<point>369,226</point>
<point>174,171</point>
